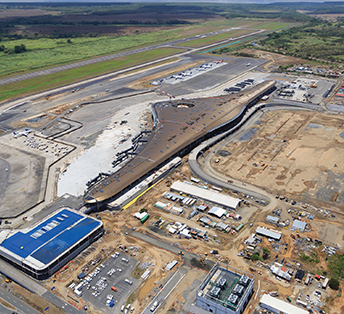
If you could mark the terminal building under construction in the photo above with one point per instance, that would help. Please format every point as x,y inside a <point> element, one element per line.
<point>179,126</point>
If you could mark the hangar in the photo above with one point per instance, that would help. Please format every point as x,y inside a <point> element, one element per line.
<point>44,248</point>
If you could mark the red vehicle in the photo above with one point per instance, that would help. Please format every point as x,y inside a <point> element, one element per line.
<point>113,288</point>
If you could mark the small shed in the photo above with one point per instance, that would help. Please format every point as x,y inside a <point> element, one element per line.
<point>272,219</point>
<point>82,275</point>
<point>221,226</point>
<point>298,225</point>
<point>217,211</point>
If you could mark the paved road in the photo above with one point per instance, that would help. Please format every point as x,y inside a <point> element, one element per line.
<point>17,303</point>
<point>62,304</point>
<point>163,294</point>
<point>189,258</point>
<point>21,279</point>
<point>57,69</point>
<point>32,285</point>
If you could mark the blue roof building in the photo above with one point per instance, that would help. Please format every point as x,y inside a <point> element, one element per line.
<point>44,248</point>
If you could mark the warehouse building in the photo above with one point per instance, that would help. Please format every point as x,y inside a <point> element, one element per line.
<point>278,306</point>
<point>44,248</point>
<point>269,233</point>
<point>206,195</point>
<point>225,290</point>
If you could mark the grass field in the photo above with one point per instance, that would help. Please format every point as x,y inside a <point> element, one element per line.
<point>45,53</point>
<point>215,38</point>
<point>47,82</point>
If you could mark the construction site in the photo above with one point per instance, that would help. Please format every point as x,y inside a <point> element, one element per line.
<point>177,196</point>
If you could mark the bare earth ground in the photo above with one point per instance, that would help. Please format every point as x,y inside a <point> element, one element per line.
<point>294,153</point>
<point>276,59</point>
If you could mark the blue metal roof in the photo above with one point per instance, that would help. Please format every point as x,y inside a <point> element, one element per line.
<point>51,237</point>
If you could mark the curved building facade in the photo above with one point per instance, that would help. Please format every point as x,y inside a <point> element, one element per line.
<point>179,126</point>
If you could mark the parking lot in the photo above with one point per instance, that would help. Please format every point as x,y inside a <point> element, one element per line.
<point>115,272</point>
<point>190,73</point>
<point>305,90</point>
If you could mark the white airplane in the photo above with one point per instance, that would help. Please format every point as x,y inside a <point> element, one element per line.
<point>24,133</point>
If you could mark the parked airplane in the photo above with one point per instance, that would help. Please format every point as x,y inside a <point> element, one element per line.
<point>24,133</point>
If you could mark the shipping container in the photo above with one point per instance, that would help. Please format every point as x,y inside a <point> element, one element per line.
<point>145,218</point>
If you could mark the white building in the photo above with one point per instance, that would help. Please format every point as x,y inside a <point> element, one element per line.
<point>278,306</point>
<point>207,195</point>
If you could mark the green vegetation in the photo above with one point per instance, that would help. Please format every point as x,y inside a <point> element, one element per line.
<point>57,34</point>
<point>256,257</point>
<point>244,54</point>
<point>334,284</point>
<point>131,299</point>
<point>143,210</point>
<point>39,84</point>
<point>317,39</point>
<point>336,266</point>
<point>266,253</point>
<point>284,68</point>
<point>313,258</point>
<point>137,272</point>
<point>44,53</point>
<point>215,38</point>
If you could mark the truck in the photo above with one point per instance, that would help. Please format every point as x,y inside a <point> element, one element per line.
<point>325,283</point>
<point>128,281</point>
<point>154,306</point>
<point>114,288</point>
